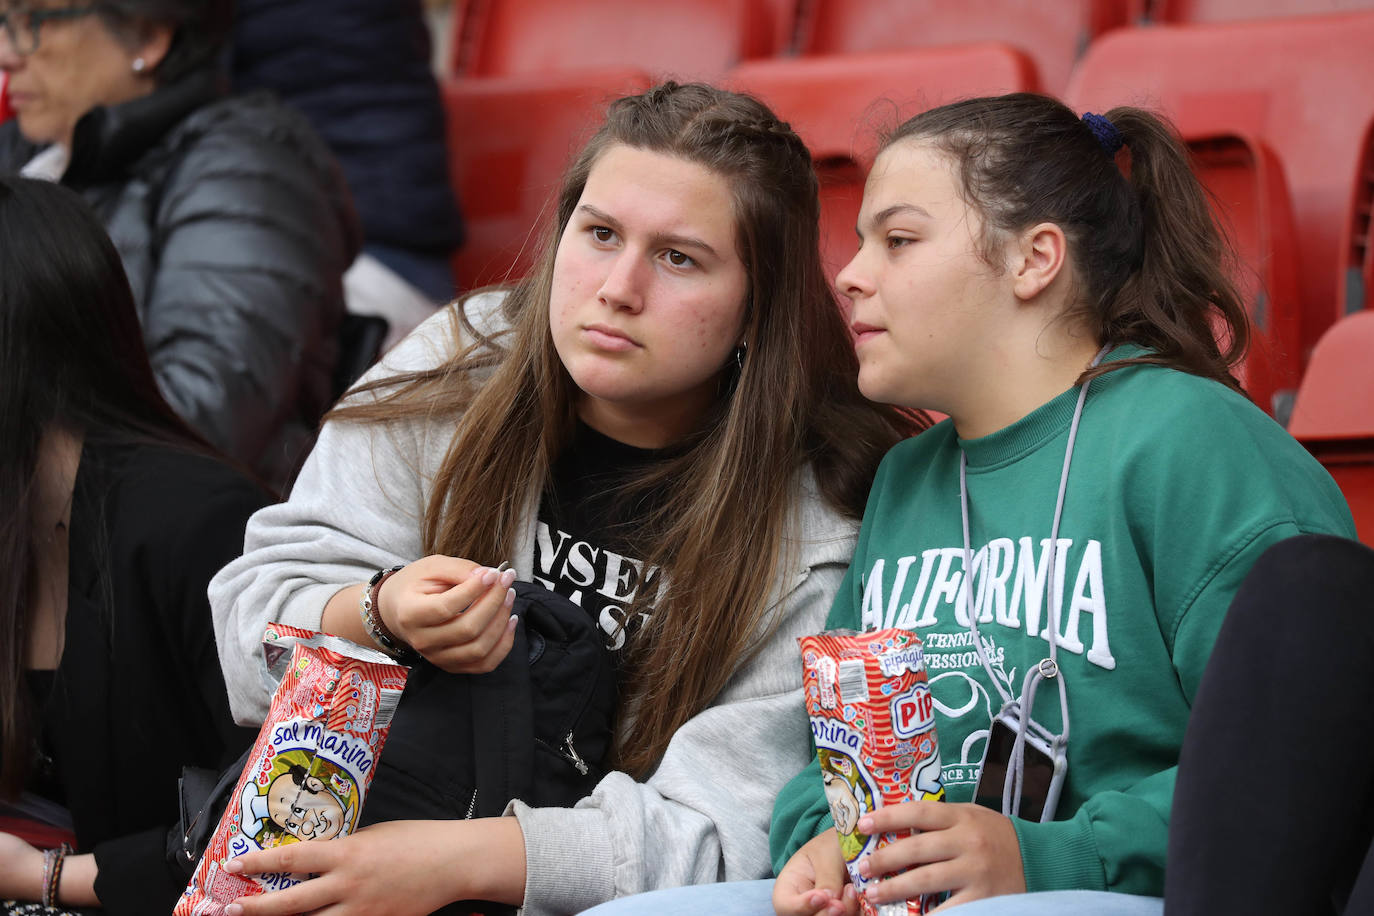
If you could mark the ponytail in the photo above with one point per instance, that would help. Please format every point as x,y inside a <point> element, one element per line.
<point>1151,264</point>
<point>1180,303</point>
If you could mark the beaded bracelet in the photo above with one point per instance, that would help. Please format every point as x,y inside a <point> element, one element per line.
<point>53,860</point>
<point>372,617</point>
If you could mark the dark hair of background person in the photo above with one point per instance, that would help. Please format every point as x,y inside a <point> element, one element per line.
<point>200,29</point>
<point>719,536</point>
<point>1150,265</point>
<point>71,355</point>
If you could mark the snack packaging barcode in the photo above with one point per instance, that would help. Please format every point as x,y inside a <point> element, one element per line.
<point>873,719</point>
<point>309,771</point>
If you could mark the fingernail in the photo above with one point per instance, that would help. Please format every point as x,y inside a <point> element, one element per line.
<point>489,576</point>
<point>233,909</point>
<point>510,597</point>
<point>507,578</point>
<point>233,866</point>
<point>510,624</point>
<point>866,825</point>
<point>872,893</point>
<point>865,869</point>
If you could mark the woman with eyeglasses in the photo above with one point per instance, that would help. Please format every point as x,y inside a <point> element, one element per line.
<point>230,215</point>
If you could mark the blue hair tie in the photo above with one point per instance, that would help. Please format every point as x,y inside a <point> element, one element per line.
<point>1108,137</point>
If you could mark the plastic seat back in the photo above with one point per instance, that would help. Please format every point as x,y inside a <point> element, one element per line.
<point>1336,398</point>
<point>1250,200</point>
<point>1357,241</point>
<point>1301,86</point>
<point>510,140</point>
<point>1334,412</point>
<point>1053,34</point>
<point>687,39</point>
<point>1185,11</point>
<point>840,104</point>
<point>786,20</point>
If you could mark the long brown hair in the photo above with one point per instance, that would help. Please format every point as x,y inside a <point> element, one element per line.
<point>721,534</point>
<point>71,356</point>
<point>1151,264</point>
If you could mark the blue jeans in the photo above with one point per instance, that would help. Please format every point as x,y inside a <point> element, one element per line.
<point>755,898</point>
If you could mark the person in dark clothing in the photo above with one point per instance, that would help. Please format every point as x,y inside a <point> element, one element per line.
<point>232,218</point>
<point>116,514</point>
<point>1279,713</point>
<point>360,71</point>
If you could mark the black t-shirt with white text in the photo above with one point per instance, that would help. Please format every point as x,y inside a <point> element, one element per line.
<point>584,539</point>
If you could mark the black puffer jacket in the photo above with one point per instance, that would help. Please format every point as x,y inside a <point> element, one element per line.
<point>235,228</point>
<point>359,70</point>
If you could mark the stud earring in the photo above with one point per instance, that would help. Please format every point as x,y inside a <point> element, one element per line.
<point>139,65</point>
<point>739,356</point>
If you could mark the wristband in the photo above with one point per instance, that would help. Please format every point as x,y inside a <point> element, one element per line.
<point>372,616</point>
<point>53,860</point>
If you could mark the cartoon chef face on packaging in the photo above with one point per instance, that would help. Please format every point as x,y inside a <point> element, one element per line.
<point>304,799</point>
<point>300,805</point>
<point>849,792</point>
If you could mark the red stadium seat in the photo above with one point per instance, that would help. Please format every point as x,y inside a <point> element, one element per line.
<point>458,38</point>
<point>1334,412</point>
<point>510,139</point>
<point>1300,86</point>
<point>1180,11</point>
<point>838,104</point>
<point>1358,232</point>
<point>1251,200</point>
<point>786,14</point>
<point>1054,34</point>
<point>687,39</point>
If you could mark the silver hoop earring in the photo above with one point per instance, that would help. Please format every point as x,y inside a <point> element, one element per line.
<point>139,65</point>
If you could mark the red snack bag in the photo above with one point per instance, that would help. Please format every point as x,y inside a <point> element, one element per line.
<point>873,719</point>
<point>308,773</point>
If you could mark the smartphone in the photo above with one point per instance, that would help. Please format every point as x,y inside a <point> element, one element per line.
<point>1045,766</point>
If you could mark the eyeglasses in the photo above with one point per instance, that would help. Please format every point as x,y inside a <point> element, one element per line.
<point>22,26</point>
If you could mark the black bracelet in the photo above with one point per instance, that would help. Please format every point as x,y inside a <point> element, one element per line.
<point>372,616</point>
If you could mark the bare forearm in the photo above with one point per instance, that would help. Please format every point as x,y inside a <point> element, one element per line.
<point>77,887</point>
<point>342,618</point>
<point>502,878</point>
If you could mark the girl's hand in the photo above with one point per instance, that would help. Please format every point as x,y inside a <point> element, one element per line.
<point>967,849</point>
<point>398,868</point>
<point>452,611</point>
<point>814,881</point>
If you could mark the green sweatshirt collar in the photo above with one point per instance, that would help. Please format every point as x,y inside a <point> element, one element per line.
<point>1044,424</point>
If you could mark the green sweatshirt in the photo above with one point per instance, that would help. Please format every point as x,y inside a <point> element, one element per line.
<point>1177,485</point>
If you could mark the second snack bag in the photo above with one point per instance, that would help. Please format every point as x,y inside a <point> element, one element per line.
<point>873,720</point>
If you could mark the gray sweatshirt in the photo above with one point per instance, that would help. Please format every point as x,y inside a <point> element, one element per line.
<point>701,816</point>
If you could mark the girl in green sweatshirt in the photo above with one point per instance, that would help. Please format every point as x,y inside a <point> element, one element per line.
<point>1056,286</point>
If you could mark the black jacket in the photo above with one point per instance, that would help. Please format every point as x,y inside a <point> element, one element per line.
<point>360,71</point>
<point>138,692</point>
<point>235,228</point>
